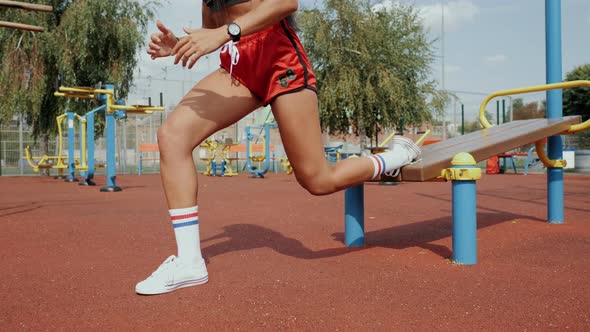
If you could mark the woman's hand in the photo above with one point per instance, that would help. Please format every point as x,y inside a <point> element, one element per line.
<point>162,42</point>
<point>199,42</point>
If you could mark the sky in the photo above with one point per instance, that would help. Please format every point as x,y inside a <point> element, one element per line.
<point>488,46</point>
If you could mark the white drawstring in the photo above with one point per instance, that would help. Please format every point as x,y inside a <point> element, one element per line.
<point>234,54</point>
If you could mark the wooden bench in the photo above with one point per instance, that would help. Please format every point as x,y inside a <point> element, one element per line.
<point>484,144</point>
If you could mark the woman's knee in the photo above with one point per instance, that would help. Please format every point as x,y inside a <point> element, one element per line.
<point>173,137</point>
<point>167,137</point>
<point>316,183</point>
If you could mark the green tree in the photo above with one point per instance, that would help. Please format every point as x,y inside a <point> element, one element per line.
<point>577,101</point>
<point>372,67</point>
<point>85,43</point>
<point>526,111</point>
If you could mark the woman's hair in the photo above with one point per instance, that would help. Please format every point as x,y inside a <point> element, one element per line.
<point>292,22</point>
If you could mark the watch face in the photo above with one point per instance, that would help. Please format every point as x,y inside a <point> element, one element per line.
<point>234,29</point>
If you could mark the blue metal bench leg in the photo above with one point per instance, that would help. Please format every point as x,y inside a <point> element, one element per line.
<point>513,165</point>
<point>354,216</point>
<point>464,174</point>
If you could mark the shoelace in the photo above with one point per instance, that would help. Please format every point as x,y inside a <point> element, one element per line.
<point>234,54</point>
<point>165,266</point>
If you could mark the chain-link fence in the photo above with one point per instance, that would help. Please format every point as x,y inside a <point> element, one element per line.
<point>130,134</point>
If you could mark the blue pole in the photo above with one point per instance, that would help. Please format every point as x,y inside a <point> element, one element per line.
<point>90,142</point>
<point>464,221</point>
<point>248,152</point>
<point>266,148</point>
<point>354,216</point>
<point>71,145</point>
<point>111,164</point>
<point>554,109</point>
<point>111,185</point>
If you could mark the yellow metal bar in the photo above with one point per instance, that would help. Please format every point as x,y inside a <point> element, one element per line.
<point>137,108</point>
<point>59,120</point>
<point>83,165</point>
<point>540,146</point>
<point>74,95</point>
<point>89,93</point>
<point>564,85</point>
<point>421,139</point>
<point>30,159</point>
<point>86,90</point>
<point>382,145</point>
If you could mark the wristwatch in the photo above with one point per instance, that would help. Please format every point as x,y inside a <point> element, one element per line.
<point>234,31</point>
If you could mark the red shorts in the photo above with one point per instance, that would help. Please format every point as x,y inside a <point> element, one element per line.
<point>272,62</point>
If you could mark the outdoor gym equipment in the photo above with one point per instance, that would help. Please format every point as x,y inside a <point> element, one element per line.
<point>333,153</point>
<point>226,169</point>
<point>88,175</point>
<point>214,153</point>
<point>58,162</point>
<point>73,164</point>
<point>455,160</point>
<point>210,154</point>
<point>286,165</point>
<point>42,162</point>
<point>265,156</point>
<point>88,163</point>
<point>113,111</point>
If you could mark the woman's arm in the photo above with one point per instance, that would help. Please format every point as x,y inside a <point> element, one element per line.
<point>266,14</point>
<point>207,18</point>
<point>200,42</point>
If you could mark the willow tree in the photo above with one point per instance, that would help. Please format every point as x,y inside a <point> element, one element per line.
<point>86,42</point>
<point>373,67</point>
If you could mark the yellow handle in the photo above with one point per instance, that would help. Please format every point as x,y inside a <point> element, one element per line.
<point>59,120</point>
<point>421,139</point>
<point>83,162</point>
<point>540,146</point>
<point>74,95</point>
<point>86,90</point>
<point>564,85</point>
<point>387,140</point>
<point>137,109</point>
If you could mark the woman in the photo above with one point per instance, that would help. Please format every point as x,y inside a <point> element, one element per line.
<point>262,62</point>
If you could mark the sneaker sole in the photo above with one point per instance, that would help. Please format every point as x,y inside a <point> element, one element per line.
<point>171,288</point>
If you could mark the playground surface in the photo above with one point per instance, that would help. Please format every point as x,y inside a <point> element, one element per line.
<point>72,255</point>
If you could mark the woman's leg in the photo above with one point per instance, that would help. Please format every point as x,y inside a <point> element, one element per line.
<point>213,104</point>
<point>298,120</point>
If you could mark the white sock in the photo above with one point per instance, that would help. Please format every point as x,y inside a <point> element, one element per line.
<point>186,230</point>
<point>389,161</point>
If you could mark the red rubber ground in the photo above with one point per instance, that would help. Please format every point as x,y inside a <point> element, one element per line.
<point>71,256</point>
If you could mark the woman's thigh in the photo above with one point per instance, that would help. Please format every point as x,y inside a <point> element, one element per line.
<point>299,124</point>
<point>216,102</point>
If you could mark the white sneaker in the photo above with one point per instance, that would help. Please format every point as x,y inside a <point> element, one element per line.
<point>172,275</point>
<point>406,151</point>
